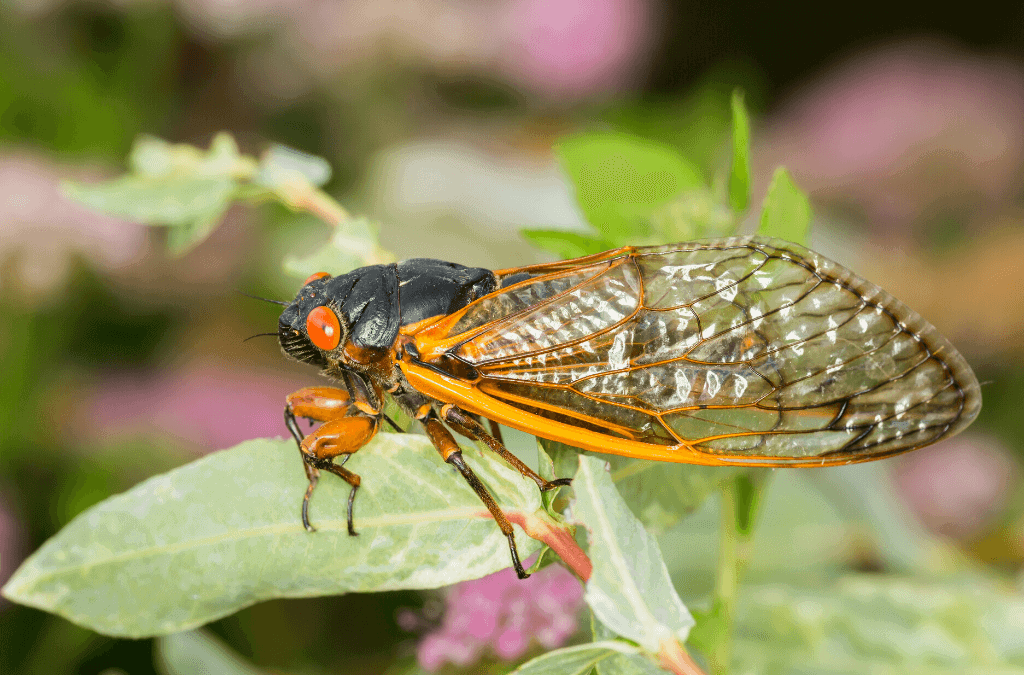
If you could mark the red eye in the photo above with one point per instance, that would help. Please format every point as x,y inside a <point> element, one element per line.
<point>314,277</point>
<point>324,328</point>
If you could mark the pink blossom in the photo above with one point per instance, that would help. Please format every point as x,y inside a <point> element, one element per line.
<point>502,615</point>
<point>563,50</point>
<point>206,404</point>
<point>958,487</point>
<point>43,230</point>
<point>574,48</point>
<point>901,131</point>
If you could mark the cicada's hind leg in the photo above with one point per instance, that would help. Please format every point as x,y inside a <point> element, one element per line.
<point>350,419</point>
<point>470,427</point>
<point>445,444</point>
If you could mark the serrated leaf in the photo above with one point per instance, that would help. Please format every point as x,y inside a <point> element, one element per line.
<point>354,244</point>
<point>565,244</point>
<point>200,542</point>
<point>878,624</point>
<point>787,211</point>
<point>576,660</point>
<point>619,179</point>
<point>281,164</point>
<point>739,175</point>
<point>198,653</point>
<point>629,590</point>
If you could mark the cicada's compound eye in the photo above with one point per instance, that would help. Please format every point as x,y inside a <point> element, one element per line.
<point>313,277</point>
<point>323,328</point>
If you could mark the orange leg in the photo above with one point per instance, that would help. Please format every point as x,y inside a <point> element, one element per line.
<point>350,420</point>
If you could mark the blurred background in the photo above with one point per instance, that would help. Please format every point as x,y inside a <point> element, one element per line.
<point>906,126</point>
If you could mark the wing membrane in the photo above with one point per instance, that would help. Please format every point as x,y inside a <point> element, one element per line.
<point>745,349</point>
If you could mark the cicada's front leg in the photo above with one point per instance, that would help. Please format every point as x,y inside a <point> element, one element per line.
<point>350,419</point>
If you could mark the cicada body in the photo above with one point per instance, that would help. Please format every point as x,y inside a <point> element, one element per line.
<point>746,350</point>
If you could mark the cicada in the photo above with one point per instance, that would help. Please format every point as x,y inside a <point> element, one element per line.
<point>741,351</point>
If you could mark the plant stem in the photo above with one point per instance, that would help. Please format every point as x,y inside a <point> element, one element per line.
<point>321,205</point>
<point>674,658</point>
<point>726,580</point>
<point>741,498</point>
<point>558,536</point>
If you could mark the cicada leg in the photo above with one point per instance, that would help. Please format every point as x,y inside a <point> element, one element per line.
<point>471,428</point>
<point>445,444</point>
<point>350,419</point>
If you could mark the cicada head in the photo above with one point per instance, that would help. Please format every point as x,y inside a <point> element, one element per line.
<point>345,322</point>
<point>311,328</point>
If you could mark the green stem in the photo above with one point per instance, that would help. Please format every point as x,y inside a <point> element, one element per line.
<point>726,580</point>
<point>741,498</point>
<point>322,205</point>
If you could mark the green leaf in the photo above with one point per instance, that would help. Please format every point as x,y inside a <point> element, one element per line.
<point>180,186</point>
<point>695,214</point>
<point>154,157</point>
<point>565,244</point>
<point>749,490</point>
<point>577,660</point>
<point>787,211</point>
<point>739,176</point>
<point>172,201</point>
<point>620,179</point>
<point>629,590</point>
<point>200,542</point>
<point>629,664</point>
<point>281,164</point>
<point>198,653</point>
<point>353,245</point>
<point>872,623</point>
<point>662,493</point>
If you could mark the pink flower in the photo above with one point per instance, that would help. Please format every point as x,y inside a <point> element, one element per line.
<point>502,615</point>
<point>575,48</point>
<point>904,132</point>
<point>958,487</point>
<point>206,404</point>
<point>44,230</point>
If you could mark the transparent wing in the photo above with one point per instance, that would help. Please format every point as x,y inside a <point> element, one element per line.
<point>746,348</point>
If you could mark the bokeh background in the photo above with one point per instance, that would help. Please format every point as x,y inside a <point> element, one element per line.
<point>905,125</point>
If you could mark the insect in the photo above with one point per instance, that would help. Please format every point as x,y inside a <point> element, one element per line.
<point>738,351</point>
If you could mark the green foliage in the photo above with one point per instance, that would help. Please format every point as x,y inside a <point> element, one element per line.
<point>787,211</point>
<point>567,244</point>
<point>189,190</point>
<point>619,178</point>
<point>353,245</point>
<point>184,548</point>
<point>630,590</point>
<point>179,186</point>
<point>739,176</point>
<point>611,656</point>
<point>197,653</point>
<point>880,624</point>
